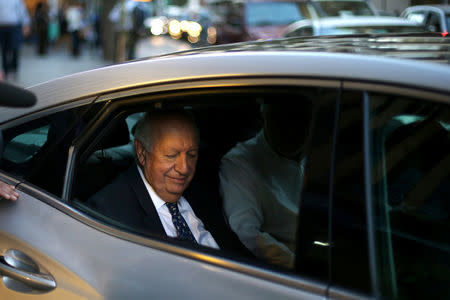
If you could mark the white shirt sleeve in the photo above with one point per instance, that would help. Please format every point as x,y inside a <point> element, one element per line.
<point>242,194</point>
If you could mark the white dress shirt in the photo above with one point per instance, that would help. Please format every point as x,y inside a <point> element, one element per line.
<point>13,12</point>
<point>261,195</point>
<point>201,235</point>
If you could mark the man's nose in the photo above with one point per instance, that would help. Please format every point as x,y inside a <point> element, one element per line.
<point>182,165</point>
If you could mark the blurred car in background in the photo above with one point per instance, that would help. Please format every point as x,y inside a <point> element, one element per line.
<point>261,19</point>
<point>253,19</point>
<point>353,25</point>
<point>435,17</point>
<point>344,8</point>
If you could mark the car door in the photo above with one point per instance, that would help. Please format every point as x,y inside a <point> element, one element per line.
<point>378,204</point>
<point>73,251</point>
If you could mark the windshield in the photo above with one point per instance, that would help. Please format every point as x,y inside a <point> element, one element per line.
<point>345,8</point>
<point>369,29</point>
<point>272,13</point>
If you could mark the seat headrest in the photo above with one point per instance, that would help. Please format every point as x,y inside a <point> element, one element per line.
<point>117,135</point>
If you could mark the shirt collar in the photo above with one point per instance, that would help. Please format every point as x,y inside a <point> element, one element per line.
<point>157,201</point>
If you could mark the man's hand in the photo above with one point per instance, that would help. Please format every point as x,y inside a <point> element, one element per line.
<point>8,191</point>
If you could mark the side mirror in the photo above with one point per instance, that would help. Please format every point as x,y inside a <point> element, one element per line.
<point>13,96</point>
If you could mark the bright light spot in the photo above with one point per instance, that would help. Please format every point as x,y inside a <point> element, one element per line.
<point>192,39</point>
<point>212,35</point>
<point>323,244</point>
<point>184,25</point>
<point>194,29</point>
<point>174,28</point>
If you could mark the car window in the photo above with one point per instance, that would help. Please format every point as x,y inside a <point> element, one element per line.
<point>272,13</point>
<point>313,230</point>
<point>349,252</point>
<point>433,22</point>
<point>411,188</point>
<point>36,151</point>
<point>417,16</point>
<point>241,180</point>
<point>344,8</point>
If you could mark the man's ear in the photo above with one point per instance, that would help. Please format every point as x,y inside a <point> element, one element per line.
<point>140,152</point>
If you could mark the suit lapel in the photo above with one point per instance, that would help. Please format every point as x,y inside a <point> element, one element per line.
<point>151,219</point>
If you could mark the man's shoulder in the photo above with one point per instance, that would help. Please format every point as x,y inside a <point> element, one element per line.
<point>242,150</point>
<point>119,188</point>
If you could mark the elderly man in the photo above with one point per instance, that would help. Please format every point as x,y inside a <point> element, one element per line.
<point>149,196</point>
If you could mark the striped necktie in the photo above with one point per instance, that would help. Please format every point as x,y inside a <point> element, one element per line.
<point>183,231</point>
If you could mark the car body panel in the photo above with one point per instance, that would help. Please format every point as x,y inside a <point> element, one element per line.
<point>63,243</point>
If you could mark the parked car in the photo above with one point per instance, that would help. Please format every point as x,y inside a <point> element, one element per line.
<point>344,8</point>
<point>435,17</point>
<point>353,25</point>
<point>262,19</point>
<point>373,216</point>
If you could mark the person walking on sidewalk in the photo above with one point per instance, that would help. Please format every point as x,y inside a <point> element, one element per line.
<point>41,22</point>
<point>14,21</point>
<point>75,25</point>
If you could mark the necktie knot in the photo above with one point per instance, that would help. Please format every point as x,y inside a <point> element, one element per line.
<point>183,230</point>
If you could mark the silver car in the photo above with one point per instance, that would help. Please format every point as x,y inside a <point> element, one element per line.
<point>435,18</point>
<point>352,25</point>
<point>372,214</point>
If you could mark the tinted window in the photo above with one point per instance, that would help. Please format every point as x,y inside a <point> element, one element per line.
<point>411,187</point>
<point>349,259</point>
<point>345,8</point>
<point>37,151</point>
<point>245,178</point>
<point>272,13</point>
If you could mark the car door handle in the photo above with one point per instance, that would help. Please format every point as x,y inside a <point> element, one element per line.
<point>20,267</point>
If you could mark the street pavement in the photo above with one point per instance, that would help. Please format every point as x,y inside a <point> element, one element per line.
<point>35,69</point>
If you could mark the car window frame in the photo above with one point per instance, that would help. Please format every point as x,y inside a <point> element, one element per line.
<point>254,270</point>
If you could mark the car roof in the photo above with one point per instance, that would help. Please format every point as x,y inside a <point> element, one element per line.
<point>353,21</point>
<point>443,7</point>
<point>373,58</point>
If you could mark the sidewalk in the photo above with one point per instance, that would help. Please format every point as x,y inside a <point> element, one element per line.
<point>34,69</point>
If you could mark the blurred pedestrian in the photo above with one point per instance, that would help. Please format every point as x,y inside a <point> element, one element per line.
<point>14,23</point>
<point>128,18</point>
<point>75,25</point>
<point>41,22</point>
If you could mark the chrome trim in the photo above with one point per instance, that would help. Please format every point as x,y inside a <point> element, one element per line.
<point>238,81</point>
<point>401,90</point>
<point>280,278</point>
<point>345,294</point>
<point>68,175</point>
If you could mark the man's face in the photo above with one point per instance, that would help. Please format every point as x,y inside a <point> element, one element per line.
<point>170,164</point>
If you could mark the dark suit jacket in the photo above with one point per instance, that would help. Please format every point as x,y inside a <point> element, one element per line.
<point>127,201</point>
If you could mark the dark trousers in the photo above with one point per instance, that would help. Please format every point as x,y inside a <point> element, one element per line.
<point>10,39</point>
<point>76,43</point>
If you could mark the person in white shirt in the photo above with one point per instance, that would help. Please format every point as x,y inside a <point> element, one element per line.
<point>261,181</point>
<point>14,24</point>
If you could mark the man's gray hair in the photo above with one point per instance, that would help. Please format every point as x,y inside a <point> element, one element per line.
<point>143,129</point>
